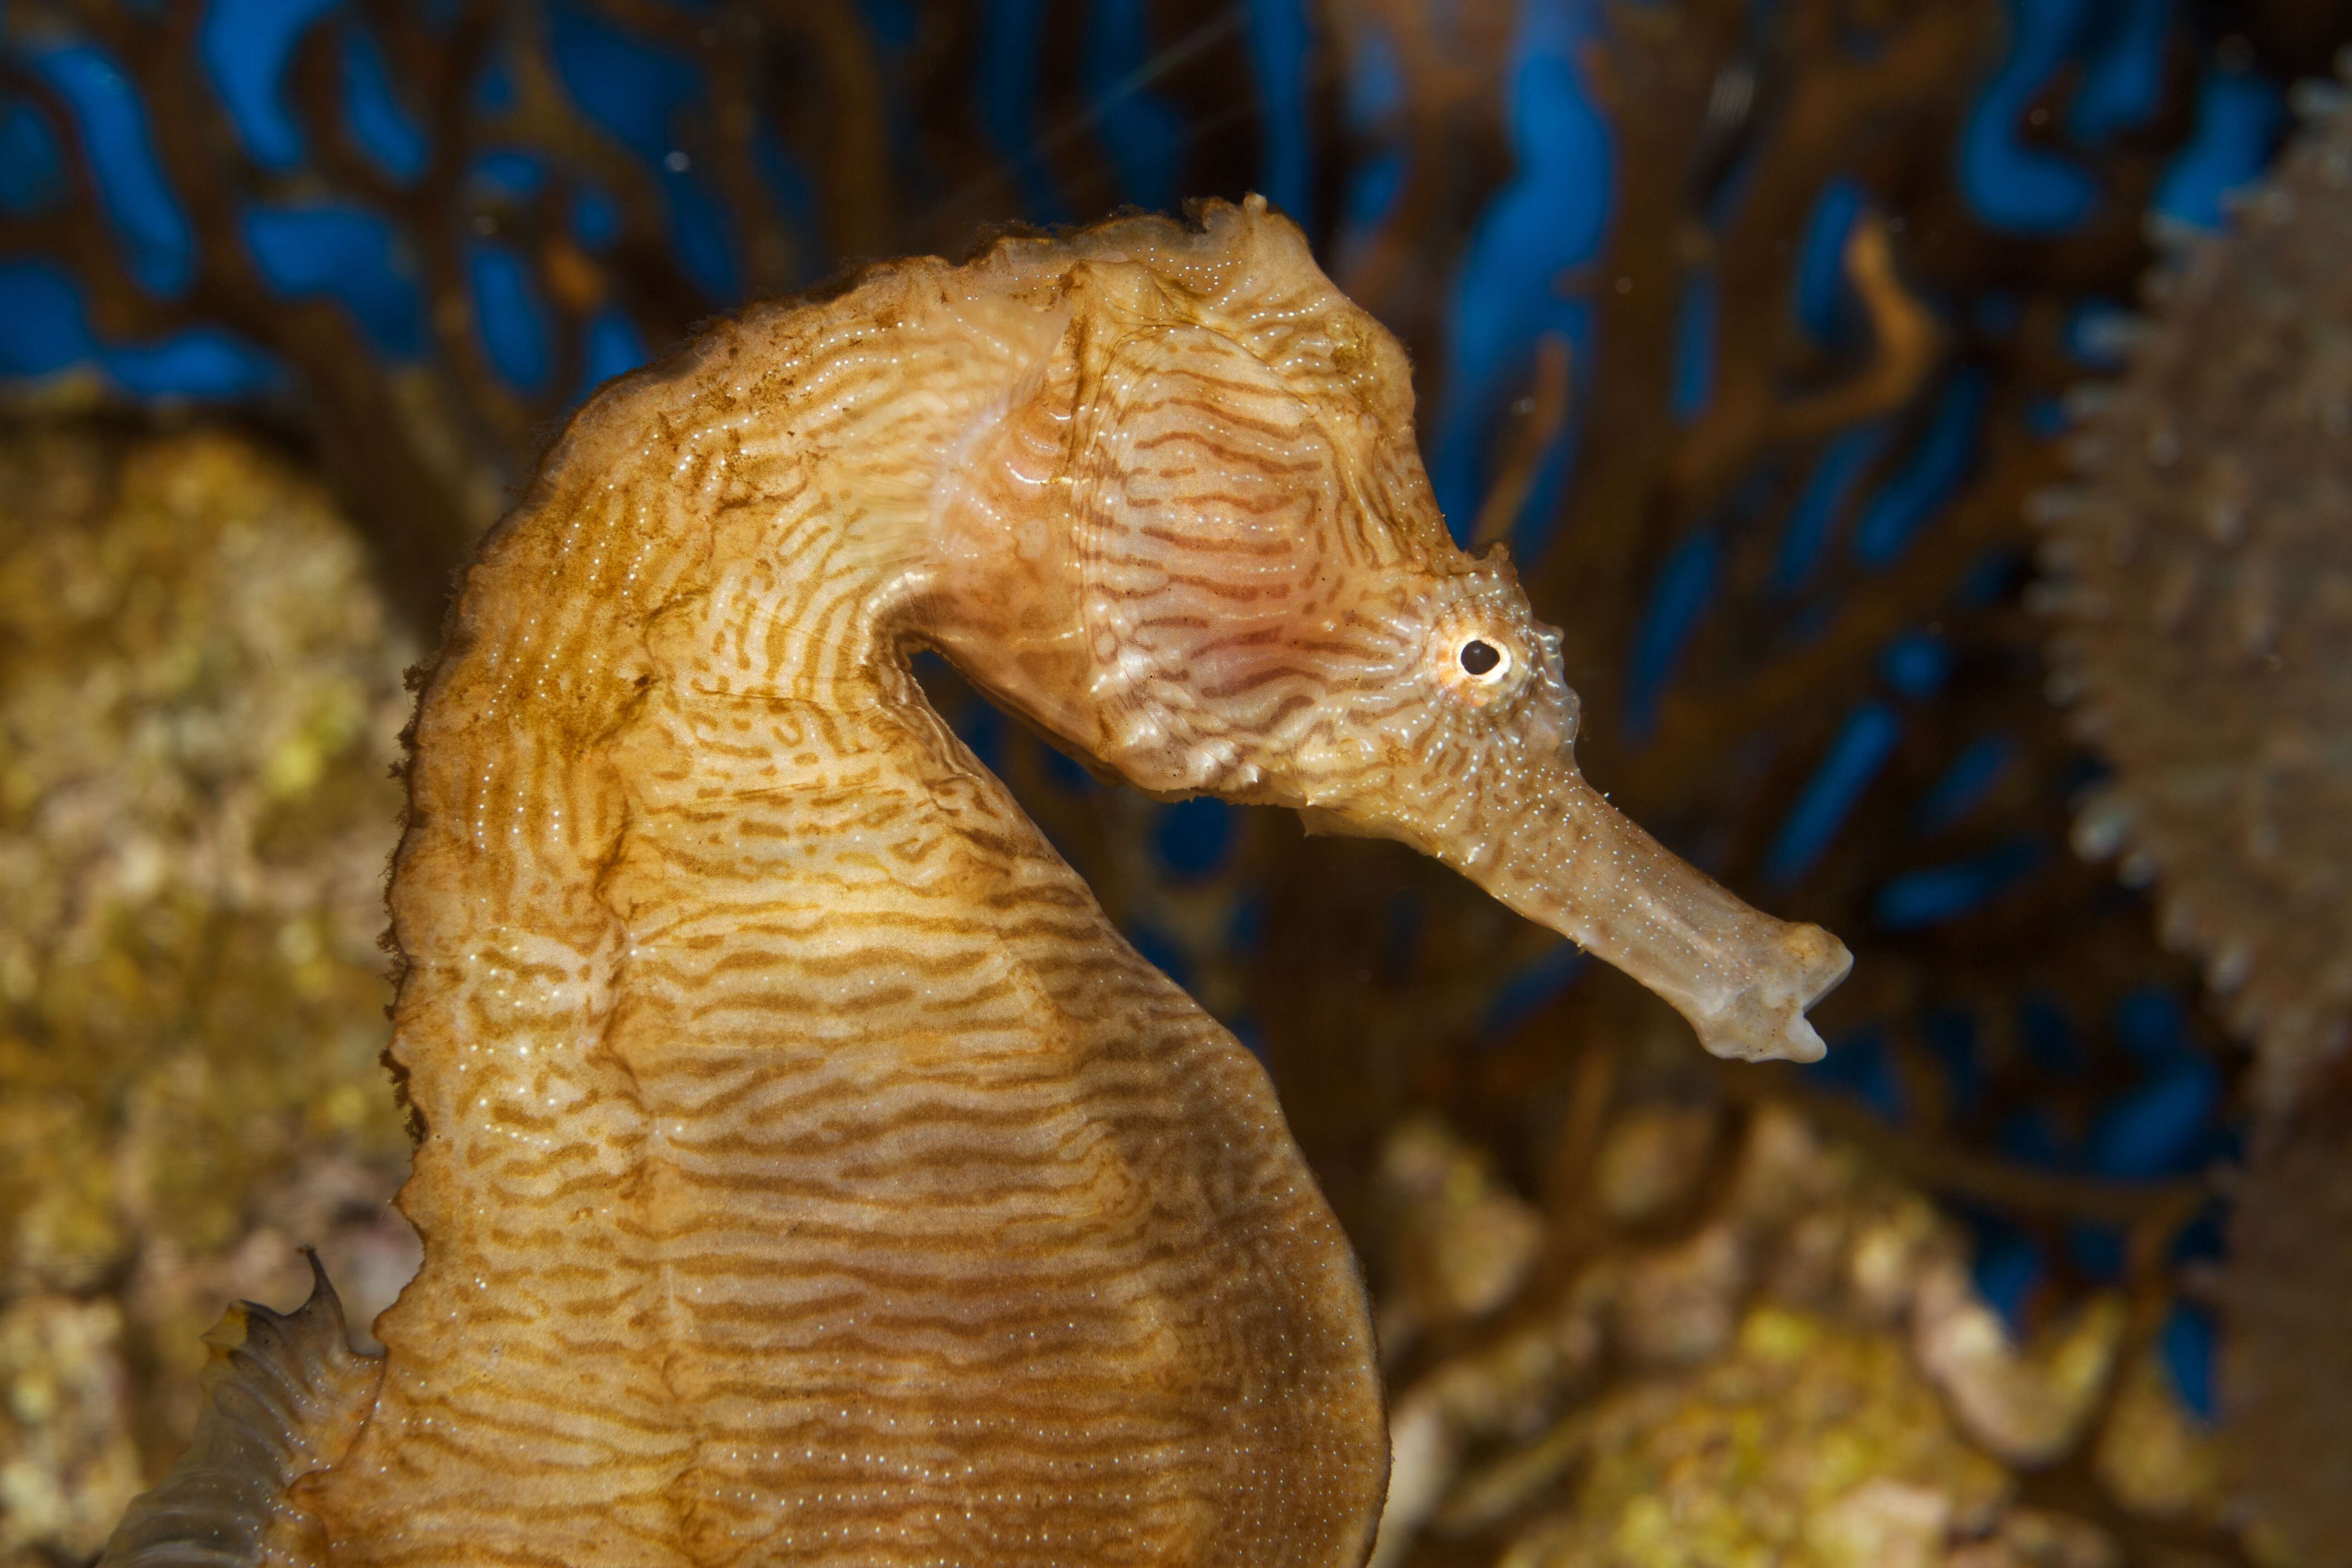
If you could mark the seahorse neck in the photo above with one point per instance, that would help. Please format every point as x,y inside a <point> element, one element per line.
<point>738,536</point>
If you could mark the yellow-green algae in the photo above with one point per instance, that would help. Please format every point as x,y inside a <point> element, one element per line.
<point>1802,1375</point>
<point>200,694</point>
<point>1809,1444</point>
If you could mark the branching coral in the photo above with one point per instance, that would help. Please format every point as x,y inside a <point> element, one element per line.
<point>1803,425</point>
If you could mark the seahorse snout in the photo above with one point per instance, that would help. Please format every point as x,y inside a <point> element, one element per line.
<point>1743,979</point>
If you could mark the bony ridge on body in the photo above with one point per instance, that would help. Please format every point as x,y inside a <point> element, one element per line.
<point>809,1172</point>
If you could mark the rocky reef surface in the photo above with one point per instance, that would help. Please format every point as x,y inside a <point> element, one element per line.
<point>1746,1343</point>
<point>200,693</point>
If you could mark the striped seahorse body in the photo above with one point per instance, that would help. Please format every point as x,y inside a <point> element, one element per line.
<point>809,1171</point>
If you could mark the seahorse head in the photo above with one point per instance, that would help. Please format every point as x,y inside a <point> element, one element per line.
<point>1229,575</point>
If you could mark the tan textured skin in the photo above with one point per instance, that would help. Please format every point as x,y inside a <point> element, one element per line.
<point>811,1173</point>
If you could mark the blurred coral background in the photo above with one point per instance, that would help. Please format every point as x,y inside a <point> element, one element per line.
<point>1930,421</point>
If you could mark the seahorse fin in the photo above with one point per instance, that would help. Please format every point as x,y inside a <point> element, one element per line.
<point>283,1395</point>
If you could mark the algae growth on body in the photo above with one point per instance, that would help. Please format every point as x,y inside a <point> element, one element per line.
<point>809,1172</point>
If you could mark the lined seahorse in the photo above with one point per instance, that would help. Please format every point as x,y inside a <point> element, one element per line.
<point>808,1171</point>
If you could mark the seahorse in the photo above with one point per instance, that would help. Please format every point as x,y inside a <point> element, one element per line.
<point>809,1172</point>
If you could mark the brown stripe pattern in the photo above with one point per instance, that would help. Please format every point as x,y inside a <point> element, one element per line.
<point>811,1173</point>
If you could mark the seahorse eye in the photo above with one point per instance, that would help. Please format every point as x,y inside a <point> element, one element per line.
<point>1482,658</point>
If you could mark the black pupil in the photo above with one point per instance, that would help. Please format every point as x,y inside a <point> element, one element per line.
<point>1478,658</point>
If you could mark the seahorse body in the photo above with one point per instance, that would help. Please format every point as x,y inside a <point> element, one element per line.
<point>810,1172</point>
